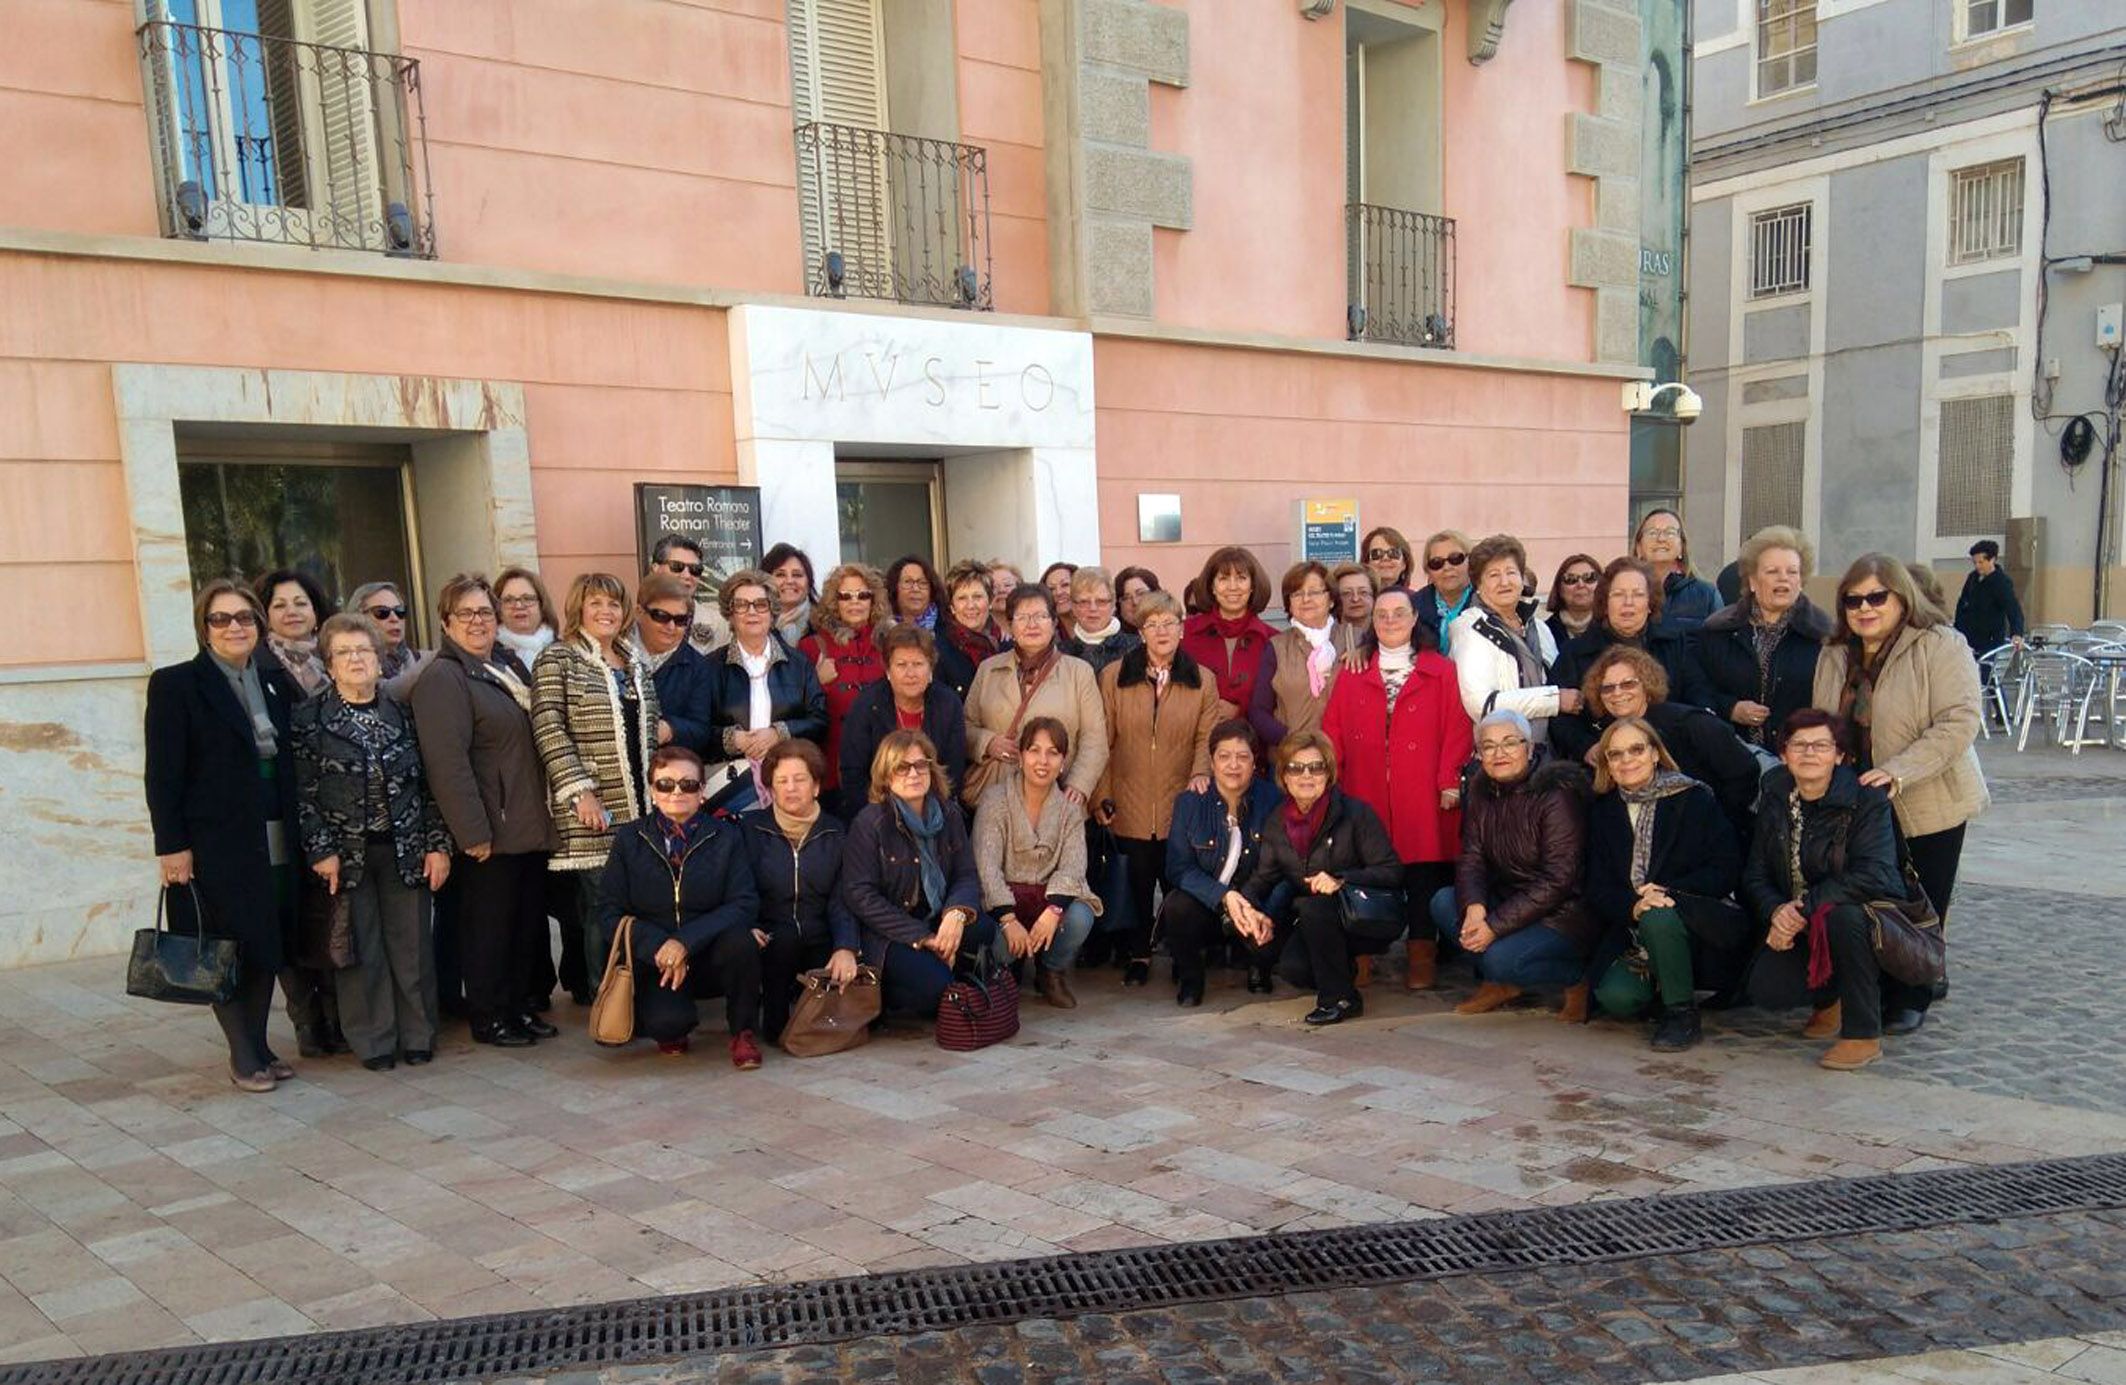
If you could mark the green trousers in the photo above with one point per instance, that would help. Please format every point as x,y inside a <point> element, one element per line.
<point>1624,993</point>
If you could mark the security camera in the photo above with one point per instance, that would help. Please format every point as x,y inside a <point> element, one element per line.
<point>1640,396</point>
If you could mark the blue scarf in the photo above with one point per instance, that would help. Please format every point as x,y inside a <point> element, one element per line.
<point>1448,613</point>
<point>679,838</point>
<point>927,829</point>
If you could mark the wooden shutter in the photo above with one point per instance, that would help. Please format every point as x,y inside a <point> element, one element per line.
<point>284,64</point>
<point>343,163</point>
<point>836,78</point>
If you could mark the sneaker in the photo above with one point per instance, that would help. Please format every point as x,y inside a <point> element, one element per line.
<point>745,1053</point>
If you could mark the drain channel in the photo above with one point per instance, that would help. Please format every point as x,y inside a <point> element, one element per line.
<point>784,1315</point>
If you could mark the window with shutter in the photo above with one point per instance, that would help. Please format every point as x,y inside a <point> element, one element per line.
<point>1976,465</point>
<point>344,161</point>
<point>1772,472</point>
<point>838,89</point>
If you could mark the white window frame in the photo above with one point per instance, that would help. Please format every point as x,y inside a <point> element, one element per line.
<point>1745,204</point>
<point>1807,221</point>
<point>2004,181</point>
<point>1961,20</point>
<point>1759,25</point>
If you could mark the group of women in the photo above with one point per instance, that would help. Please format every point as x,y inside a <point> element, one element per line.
<point>1636,797</point>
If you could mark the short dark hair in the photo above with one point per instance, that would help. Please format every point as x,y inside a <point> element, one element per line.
<point>1235,729</point>
<point>1557,582</point>
<point>795,748</point>
<point>1027,592</point>
<point>673,754</point>
<point>225,586</point>
<point>1058,734</point>
<point>930,578</point>
<point>667,542</point>
<point>319,602</point>
<point>898,637</point>
<point>1232,558</point>
<point>1808,719</point>
<point>1986,548</point>
<point>1617,568</point>
<point>783,553</point>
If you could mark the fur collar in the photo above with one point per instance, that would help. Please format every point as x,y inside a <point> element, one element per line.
<point>1809,620</point>
<point>1548,776</point>
<point>1136,669</point>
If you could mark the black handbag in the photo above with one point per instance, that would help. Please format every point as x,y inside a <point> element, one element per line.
<point>183,968</point>
<point>1909,944</point>
<point>1372,912</point>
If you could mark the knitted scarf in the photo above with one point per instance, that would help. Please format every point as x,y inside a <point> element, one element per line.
<point>927,830</point>
<point>530,647</point>
<point>1105,632</point>
<point>1666,783</point>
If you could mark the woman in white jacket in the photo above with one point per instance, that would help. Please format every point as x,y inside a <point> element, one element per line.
<point>1502,654</point>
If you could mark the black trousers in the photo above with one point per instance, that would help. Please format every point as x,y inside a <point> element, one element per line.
<point>1779,980</point>
<point>1935,858</point>
<point>1421,881</point>
<point>781,961</point>
<point>501,930</point>
<point>1320,952</point>
<point>1146,862</point>
<point>729,965</point>
<point>571,901</point>
<point>1188,929</point>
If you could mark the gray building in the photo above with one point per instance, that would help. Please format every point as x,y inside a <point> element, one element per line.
<point>1908,231</point>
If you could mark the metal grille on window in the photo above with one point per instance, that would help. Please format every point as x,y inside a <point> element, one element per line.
<point>1977,465</point>
<point>1986,212</point>
<point>1772,467</point>
<point>1786,45</point>
<point>1779,251</point>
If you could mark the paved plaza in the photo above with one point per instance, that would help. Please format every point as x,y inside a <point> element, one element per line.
<point>144,1204</point>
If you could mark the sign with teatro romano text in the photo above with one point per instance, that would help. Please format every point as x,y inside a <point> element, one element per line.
<point>724,520</point>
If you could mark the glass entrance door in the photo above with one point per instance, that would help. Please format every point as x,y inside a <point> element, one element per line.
<point>889,510</point>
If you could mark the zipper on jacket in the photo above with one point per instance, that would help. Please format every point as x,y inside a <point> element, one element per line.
<point>678,872</point>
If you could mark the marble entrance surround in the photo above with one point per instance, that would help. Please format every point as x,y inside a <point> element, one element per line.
<point>1007,409</point>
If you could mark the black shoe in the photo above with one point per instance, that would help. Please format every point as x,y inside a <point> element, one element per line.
<point>310,1040</point>
<point>582,996</point>
<point>335,1040</point>
<point>1259,979</point>
<point>537,1028</point>
<point>1137,973</point>
<point>415,1057</point>
<point>1677,1030</point>
<point>1190,993</point>
<point>1903,1021</point>
<point>1336,1014</point>
<point>540,1004</point>
<point>501,1035</point>
<point>383,1062</point>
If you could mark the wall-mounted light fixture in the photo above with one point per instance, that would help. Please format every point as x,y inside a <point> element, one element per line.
<point>1317,9</point>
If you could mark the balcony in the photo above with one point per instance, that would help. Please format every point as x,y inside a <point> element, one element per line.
<point>897,217</point>
<point>1401,268</point>
<point>267,138</point>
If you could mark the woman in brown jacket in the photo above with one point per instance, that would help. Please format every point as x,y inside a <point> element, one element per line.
<point>1160,710</point>
<point>1906,682</point>
<point>1033,678</point>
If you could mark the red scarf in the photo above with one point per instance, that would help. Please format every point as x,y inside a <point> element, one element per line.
<point>977,645</point>
<point>1303,828</point>
<point>1205,641</point>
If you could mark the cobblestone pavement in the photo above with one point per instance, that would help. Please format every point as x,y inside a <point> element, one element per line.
<point>143,1203</point>
<point>1840,1301</point>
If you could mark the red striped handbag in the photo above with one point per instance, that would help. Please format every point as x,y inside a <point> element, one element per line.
<point>979,1008</point>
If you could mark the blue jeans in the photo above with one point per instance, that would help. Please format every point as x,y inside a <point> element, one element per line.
<point>1534,956</point>
<point>912,981</point>
<point>1071,933</point>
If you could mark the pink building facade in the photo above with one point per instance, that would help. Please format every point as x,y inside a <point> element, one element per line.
<point>429,285</point>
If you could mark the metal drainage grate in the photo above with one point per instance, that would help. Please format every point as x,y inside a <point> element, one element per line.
<point>784,1315</point>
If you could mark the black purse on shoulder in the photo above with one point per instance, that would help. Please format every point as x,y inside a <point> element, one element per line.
<point>183,968</point>
<point>1372,912</point>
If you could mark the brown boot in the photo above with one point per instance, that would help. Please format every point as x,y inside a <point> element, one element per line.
<point>1824,1023</point>
<point>1573,1008</point>
<point>1489,996</point>
<point>1848,1054</point>
<point>1055,988</point>
<point>1362,973</point>
<point>1421,966</point>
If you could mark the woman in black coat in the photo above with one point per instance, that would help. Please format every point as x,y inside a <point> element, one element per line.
<point>686,879</point>
<point>796,850</point>
<point>220,781</point>
<point>794,705</point>
<point>1660,869</point>
<point>1316,843</point>
<point>908,876</point>
<point>1820,941</point>
<point>1759,654</point>
<point>913,694</point>
<point>1627,682</point>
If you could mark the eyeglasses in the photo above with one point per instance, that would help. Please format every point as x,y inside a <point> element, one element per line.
<point>754,606</point>
<point>911,769</point>
<point>689,785</point>
<point>474,615</point>
<point>1878,598</point>
<point>1627,752</point>
<point>1665,531</point>
<point>1311,593</point>
<point>384,612</point>
<point>1579,579</point>
<point>522,599</point>
<point>1810,748</point>
<point>677,568</point>
<point>1382,555</point>
<point>1306,769</point>
<point>222,620</point>
<point>1607,689</point>
<point>1495,748</point>
<point>912,582</point>
<point>1393,610</point>
<point>852,596</point>
<point>1160,625</point>
<point>353,651</point>
<point>651,613</point>
<point>1451,560</point>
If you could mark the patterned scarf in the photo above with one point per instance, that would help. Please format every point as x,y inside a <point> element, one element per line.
<point>1765,635</point>
<point>1395,666</point>
<point>1032,673</point>
<point>518,688</point>
<point>1666,783</point>
<point>977,645</point>
<point>301,660</point>
<point>1856,701</point>
<point>678,838</point>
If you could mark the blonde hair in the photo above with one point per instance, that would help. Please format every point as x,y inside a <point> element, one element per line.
<point>1773,536</point>
<point>580,591</point>
<point>896,748</point>
<point>826,612</point>
<point>1603,780</point>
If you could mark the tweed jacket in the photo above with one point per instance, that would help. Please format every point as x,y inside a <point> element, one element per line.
<point>1152,755</point>
<point>1924,725</point>
<point>577,720</point>
<point>332,788</point>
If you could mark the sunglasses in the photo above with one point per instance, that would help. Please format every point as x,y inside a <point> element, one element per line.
<point>679,569</point>
<point>676,785</point>
<point>384,612</point>
<point>1627,752</point>
<point>1853,601</point>
<point>1309,769</point>
<point>852,596</point>
<point>1451,560</point>
<point>222,620</point>
<point>1607,689</point>
<point>1382,555</point>
<point>667,617</point>
<point>1579,579</point>
<point>910,769</point>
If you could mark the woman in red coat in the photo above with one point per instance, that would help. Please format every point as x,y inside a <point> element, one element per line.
<point>1227,635</point>
<point>843,644</point>
<point>1402,738</point>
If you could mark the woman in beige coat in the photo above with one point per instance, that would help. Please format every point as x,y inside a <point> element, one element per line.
<point>1907,683</point>
<point>1161,707</point>
<point>1033,678</point>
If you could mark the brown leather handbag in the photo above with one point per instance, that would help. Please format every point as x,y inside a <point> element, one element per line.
<point>829,1018</point>
<point>1909,943</point>
<point>613,1011</point>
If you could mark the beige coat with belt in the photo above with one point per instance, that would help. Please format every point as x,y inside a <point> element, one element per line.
<point>1924,725</point>
<point>1070,694</point>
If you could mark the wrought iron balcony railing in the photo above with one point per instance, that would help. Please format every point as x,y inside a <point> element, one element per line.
<point>268,138</point>
<point>891,216</point>
<point>1401,268</point>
